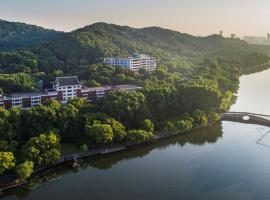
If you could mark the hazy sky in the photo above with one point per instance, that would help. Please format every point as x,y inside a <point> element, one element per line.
<point>198,17</point>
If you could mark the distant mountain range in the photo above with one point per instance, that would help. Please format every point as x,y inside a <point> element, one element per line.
<point>67,51</point>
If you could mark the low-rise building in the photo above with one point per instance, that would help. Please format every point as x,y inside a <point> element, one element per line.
<point>134,63</point>
<point>64,88</point>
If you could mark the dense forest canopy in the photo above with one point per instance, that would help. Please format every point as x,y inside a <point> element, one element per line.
<point>15,35</point>
<point>78,49</point>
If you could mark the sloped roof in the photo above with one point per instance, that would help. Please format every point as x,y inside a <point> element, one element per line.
<point>69,80</point>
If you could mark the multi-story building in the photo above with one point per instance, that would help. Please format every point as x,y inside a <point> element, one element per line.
<point>133,63</point>
<point>64,88</point>
<point>69,87</point>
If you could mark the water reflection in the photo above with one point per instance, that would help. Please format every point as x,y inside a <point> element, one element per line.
<point>253,95</point>
<point>197,137</point>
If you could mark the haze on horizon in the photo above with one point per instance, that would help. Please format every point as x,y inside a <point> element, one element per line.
<point>197,17</point>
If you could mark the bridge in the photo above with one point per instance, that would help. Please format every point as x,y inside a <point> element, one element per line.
<point>247,118</point>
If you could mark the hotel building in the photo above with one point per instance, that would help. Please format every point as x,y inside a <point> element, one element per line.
<point>134,63</point>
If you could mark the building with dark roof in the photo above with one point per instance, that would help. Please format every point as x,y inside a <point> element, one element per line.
<point>67,81</point>
<point>68,87</point>
<point>64,88</point>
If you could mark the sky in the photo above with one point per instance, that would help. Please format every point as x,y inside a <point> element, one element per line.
<point>196,17</point>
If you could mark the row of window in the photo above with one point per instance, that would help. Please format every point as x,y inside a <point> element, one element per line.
<point>69,87</point>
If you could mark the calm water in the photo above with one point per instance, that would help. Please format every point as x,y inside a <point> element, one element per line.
<point>219,162</point>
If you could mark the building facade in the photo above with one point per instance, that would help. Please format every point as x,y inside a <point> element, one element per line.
<point>68,87</point>
<point>134,63</point>
<point>64,89</point>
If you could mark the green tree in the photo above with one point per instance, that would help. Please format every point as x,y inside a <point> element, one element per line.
<point>199,117</point>
<point>99,133</point>
<point>42,150</point>
<point>7,161</point>
<point>84,147</point>
<point>67,118</point>
<point>119,130</point>
<point>128,107</point>
<point>148,125</point>
<point>24,170</point>
<point>138,136</point>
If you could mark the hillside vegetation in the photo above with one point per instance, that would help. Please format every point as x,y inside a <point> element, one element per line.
<point>14,35</point>
<point>195,80</point>
<point>78,49</point>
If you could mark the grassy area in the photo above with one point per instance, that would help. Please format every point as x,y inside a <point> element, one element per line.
<point>69,148</point>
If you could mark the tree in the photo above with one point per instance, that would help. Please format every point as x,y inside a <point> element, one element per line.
<point>184,124</point>
<point>38,119</point>
<point>199,117</point>
<point>84,147</point>
<point>42,150</point>
<point>14,121</point>
<point>24,170</point>
<point>67,117</point>
<point>128,107</point>
<point>7,161</point>
<point>148,125</point>
<point>5,127</point>
<point>119,130</point>
<point>99,133</point>
<point>8,146</point>
<point>4,146</point>
<point>207,90</point>
<point>138,136</point>
<point>169,126</point>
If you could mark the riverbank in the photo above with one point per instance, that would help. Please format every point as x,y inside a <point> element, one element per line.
<point>70,158</point>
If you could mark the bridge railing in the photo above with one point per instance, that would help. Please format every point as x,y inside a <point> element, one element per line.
<point>247,113</point>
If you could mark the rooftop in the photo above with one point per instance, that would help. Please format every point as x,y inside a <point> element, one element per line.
<point>69,80</point>
<point>89,89</point>
<point>25,94</point>
<point>127,87</point>
<point>134,56</point>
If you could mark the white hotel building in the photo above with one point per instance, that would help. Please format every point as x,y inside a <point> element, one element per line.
<point>133,63</point>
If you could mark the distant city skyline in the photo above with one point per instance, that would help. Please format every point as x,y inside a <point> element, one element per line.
<point>196,17</point>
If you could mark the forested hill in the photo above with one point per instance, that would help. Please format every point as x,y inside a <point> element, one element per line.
<point>89,45</point>
<point>15,35</point>
<point>196,78</point>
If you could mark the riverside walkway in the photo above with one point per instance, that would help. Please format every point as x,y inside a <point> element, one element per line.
<point>242,117</point>
<point>247,118</point>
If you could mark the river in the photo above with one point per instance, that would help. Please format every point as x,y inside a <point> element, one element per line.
<point>223,161</point>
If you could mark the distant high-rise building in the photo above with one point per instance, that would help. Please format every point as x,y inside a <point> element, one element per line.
<point>233,36</point>
<point>268,37</point>
<point>255,40</point>
<point>221,33</point>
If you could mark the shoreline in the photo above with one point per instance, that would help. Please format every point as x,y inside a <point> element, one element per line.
<point>102,151</point>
